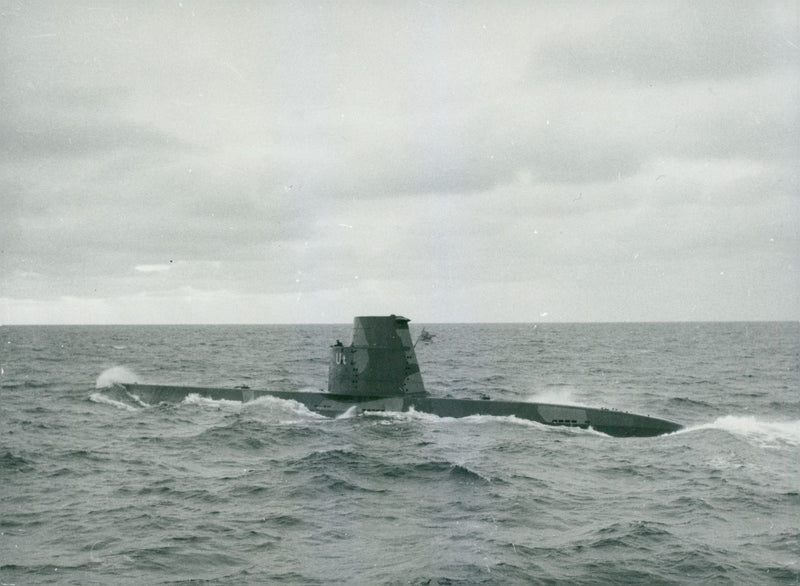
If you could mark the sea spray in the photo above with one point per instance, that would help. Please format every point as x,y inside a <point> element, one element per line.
<point>115,375</point>
<point>562,396</point>
<point>767,434</point>
<point>350,413</point>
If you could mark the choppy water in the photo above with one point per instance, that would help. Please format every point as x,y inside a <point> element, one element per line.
<point>96,487</point>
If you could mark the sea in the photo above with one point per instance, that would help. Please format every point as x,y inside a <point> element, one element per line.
<point>98,487</point>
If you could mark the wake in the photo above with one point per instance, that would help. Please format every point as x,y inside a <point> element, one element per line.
<point>768,434</point>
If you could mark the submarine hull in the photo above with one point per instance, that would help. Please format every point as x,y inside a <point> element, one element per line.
<point>613,423</point>
<point>379,371</point>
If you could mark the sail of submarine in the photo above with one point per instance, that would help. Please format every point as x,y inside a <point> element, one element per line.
<point>379,372</point>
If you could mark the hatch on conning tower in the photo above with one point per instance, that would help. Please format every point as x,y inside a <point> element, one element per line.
<point>379,362</point>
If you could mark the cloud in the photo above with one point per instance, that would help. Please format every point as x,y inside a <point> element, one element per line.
<point>78,140</point>
<point>674,42</point>
<point>162,268</point>
<point>475,161</point>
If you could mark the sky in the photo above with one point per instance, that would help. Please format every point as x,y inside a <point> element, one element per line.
<point>307,162</point>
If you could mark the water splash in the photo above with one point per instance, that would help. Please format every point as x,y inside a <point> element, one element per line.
<point>350,413</point>
<point>768,434</point>
<point>115,375</point>
<point>196,399</point>
<point>272,407</point>
<point>561,396</point>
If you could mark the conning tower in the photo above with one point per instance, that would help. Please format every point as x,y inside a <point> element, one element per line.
<point>379,362</point>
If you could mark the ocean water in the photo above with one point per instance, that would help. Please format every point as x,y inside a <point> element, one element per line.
<point>99,488</point>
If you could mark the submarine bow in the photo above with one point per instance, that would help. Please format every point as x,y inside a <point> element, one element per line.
<point>378,371</point>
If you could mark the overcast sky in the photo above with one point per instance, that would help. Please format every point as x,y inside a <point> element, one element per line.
<point>185,162</point>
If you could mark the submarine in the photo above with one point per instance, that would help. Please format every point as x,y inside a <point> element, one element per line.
<point>378,372</point>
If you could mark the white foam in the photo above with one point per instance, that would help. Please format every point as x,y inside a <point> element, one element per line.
<point>291,405</point>
<point>768,434</point>
<point>106,400</point>
<point>115,375</point>
<point>350,413</point>
<point>414,415</point>
<point>275,405</point>
<point>514,420</point>
<point>410,415</point>
<point>195,399</point>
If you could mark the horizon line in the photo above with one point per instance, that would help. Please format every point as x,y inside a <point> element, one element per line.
<point>576,322</point>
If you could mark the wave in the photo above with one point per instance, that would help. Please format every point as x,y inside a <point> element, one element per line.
<point>273,406</point>
<point>422,416</point>
<point>288,407</point>
<point>687,402</point>
<point>9,461</point>
<point>118,396</point>
<point>25,384</point>
<point>437,470</point>
<point>108,400</point>
<point>768,434</point>
<point>115,375</point>
<point>196,399</point>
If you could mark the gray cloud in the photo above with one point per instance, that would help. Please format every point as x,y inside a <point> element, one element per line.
<point>79,140</point>
<point>480,161</point>
<point>671,43</point>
